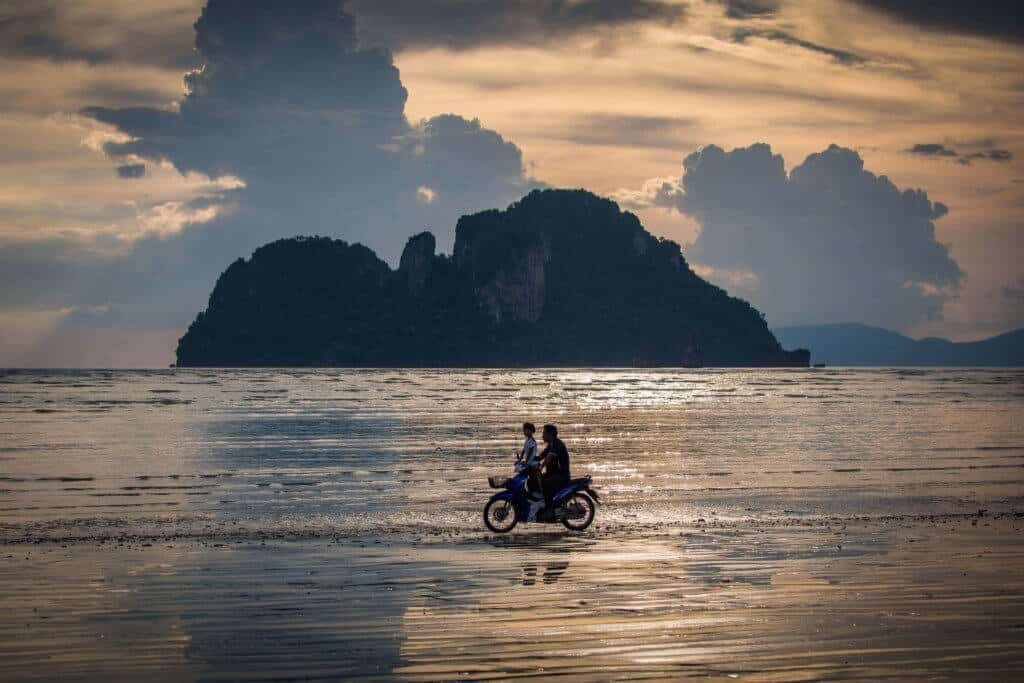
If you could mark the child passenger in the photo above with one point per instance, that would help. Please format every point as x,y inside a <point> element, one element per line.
<point>529,453</point>
<point>529,457</point>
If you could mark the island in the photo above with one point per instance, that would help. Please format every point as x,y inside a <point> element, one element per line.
<point>561,278</point>
<point>855,344</point>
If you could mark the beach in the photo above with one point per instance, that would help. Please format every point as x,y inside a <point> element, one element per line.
<point>762,525</point>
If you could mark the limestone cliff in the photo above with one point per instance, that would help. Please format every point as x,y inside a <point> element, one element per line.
<point>559,278</point>
<point>417,261</point>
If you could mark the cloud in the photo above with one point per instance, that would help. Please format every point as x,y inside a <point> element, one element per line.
<point>315,126</point>
<point>741,35</point>
<point>628,130</point>
<point>1010,302</point>
<point>1014,293</point>
<point>131,171</point>
<point>462,161</point>
<point>747,9</point>
<point>991,18</point>
<point>930,149</point>
<point>827,242</point>
<point>303,131</point>
<point>664,193</point>
<point>465,24</point>
<point>425,194</point>
<point>936,150</point>
<point>1000,155</point>
<point>173,217</point>
<point>99,32</point>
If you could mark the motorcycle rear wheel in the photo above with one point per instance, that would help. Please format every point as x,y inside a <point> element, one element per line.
<point>584,514</point>
<point>500,516</point>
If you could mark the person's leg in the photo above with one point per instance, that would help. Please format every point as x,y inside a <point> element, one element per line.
<point>556,485</point>
<point>552,485</point>
<point>536,484</point>
<point>534,497</point>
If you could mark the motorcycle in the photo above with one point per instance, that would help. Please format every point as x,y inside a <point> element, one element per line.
<point>574,505</point>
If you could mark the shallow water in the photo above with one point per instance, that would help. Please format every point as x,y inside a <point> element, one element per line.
<point>766,524</point>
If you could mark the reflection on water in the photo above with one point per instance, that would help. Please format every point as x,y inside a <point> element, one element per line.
<point>550,572</point>
<point>353,452</point>
<point>799,602</point>
<point>763,524</point>
<point>642,607</point>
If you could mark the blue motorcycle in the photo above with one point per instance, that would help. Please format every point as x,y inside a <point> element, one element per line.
<point>574,506</point>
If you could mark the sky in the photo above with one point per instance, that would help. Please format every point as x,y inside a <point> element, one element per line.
<point>828,160</point>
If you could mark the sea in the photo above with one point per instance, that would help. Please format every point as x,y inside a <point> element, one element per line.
<point>766,524</point>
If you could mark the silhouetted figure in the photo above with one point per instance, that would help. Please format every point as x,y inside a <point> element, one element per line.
<point>555,460</point>
<point>530,458</point>
<point>560,278</point>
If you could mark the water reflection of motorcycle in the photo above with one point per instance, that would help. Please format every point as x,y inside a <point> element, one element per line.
<point>552,572</point>
<point>574,506</point>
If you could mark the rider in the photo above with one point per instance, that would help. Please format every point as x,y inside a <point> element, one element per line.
<point>528,456</point>
<point>555,458</point>
<point>529,453</point>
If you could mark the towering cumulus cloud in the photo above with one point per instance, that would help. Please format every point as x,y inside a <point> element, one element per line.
<point>314,125</point>
<point>306,130</point>
<point>827,242</point>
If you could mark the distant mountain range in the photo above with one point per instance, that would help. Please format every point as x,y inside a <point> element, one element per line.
<point>856,344</point>
<point>560,278</point>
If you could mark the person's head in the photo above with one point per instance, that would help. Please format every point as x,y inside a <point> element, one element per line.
<point>528,429</point>
<point>550,433</point>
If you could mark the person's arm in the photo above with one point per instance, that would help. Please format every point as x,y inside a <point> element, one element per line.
<point>545,457</point>
<point>563,460</point>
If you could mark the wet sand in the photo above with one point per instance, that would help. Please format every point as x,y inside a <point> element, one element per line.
<point>763,525</point>
<point>829,599</point>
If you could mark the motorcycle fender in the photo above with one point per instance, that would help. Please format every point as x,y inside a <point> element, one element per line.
<point>568,491</point>
<point>503,495</point>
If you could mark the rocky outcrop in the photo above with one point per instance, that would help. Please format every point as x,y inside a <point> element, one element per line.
<point>417,261</point>
<point>516,291</point>
<point>561,278</point>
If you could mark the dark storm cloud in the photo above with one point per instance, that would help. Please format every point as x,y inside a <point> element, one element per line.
<point>459,158</point>
<point>993,18</point>
<point>94,32</point>
<point>314,125</point>
<point>937,151</point>
<point>748,9</point>
<point>462,24</point>
<point>131,171</point>
<point>829,242</point>
<point>841,56</point>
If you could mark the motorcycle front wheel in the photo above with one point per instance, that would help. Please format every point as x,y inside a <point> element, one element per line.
<point>580,511</point>
<point>500,516</point>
